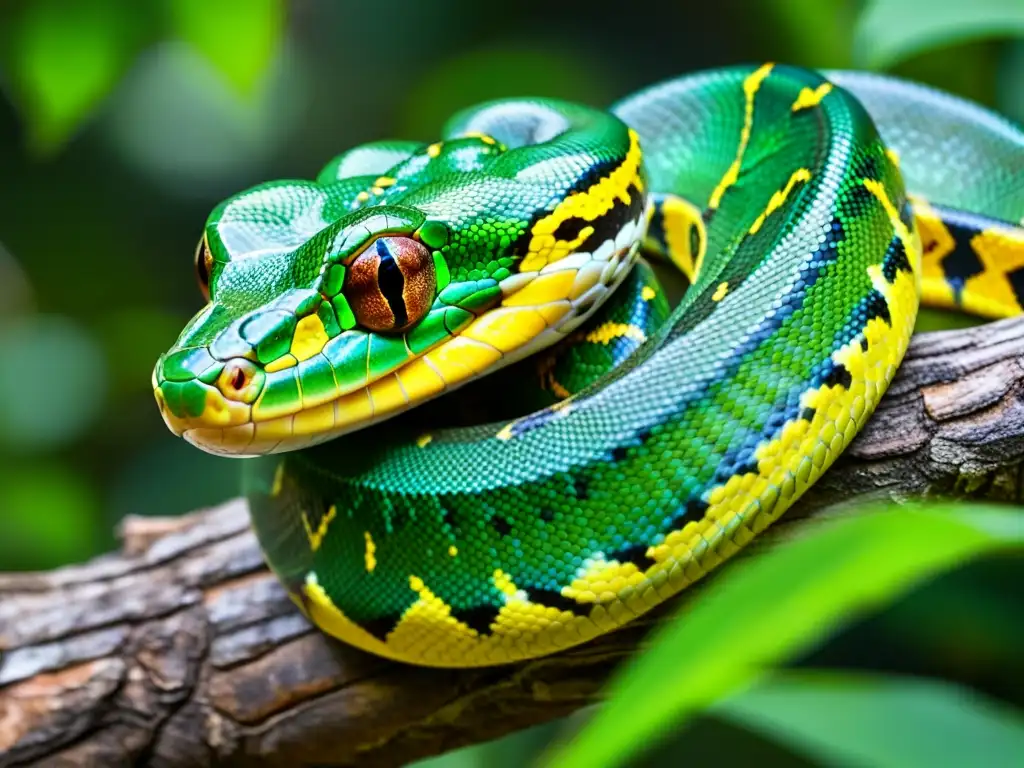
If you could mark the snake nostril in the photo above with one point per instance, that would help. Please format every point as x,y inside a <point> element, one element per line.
<point>240,380</point>
<point>238,376</point>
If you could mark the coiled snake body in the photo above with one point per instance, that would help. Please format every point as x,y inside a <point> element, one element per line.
<point>647,445</point>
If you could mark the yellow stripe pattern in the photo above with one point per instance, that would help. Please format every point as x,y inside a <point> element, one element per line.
<point>751,86</point>
<point>589,205</point>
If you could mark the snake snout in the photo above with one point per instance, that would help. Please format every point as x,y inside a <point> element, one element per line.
<point>195,390</point>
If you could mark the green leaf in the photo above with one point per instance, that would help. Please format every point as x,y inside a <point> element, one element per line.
<point>63,57</point>
<point>511,751</point>
<point>238,37</point>
<point>889,31</point>
<point>772,607</point>
<point>884,722</point>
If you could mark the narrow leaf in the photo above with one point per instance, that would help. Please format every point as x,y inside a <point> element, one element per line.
<point>772,607</point>
<point>885,722</point>
<point>238,37</point>
<point>889,31</point>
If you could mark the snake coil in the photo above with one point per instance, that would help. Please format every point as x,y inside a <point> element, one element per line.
<point>637,446</point>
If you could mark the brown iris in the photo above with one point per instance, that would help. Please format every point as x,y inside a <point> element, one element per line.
<point>204,267</point>
<point>390,285</point>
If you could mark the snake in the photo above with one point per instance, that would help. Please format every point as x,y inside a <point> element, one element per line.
<point>474,426</point>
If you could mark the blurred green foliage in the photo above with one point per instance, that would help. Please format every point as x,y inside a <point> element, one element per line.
<point>843,718</point>
<point>125,122</point>
<point>890,31</point>
<point>767,610</point>
<point>63,57</point>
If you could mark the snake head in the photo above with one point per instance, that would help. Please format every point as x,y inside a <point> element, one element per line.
<point>336,303</point>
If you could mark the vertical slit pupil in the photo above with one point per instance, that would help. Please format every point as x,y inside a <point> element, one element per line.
<point>391,283</point>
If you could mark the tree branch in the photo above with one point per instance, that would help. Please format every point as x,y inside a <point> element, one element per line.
<point>183,650</point>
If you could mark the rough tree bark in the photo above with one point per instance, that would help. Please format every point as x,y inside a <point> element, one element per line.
<point>182,650</point>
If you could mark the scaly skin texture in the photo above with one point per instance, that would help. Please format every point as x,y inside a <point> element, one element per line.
<point>669,439</point>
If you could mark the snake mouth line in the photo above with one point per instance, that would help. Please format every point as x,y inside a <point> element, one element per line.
<point>537,309</point>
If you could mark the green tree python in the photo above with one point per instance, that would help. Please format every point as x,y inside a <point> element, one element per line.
<point>640,445</point>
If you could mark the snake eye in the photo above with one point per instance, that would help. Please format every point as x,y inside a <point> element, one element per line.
<point>240,380</point>
<point>204,267</point>
<point>390,285</point>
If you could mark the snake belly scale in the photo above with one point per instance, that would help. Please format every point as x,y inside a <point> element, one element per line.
<point>809,213</point>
